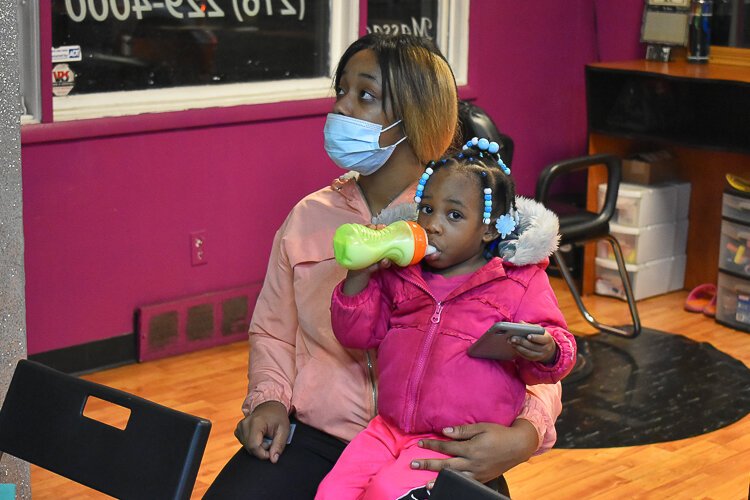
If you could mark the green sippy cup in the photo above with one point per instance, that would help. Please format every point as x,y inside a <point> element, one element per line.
<point>404,242</point>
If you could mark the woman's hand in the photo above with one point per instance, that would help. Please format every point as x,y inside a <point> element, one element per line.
<point>269,419</point>
<point>483,451</point>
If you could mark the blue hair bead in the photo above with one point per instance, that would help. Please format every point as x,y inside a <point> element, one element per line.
<point>493,147</point>
<point>423,180</point>
<point>474,141</point>
<point>483,144</point>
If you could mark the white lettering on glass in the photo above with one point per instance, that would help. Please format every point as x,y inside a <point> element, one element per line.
<point>122,10</point>
<point>419,27</point>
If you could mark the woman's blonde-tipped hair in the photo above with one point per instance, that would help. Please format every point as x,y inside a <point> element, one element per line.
<point>421,87</point>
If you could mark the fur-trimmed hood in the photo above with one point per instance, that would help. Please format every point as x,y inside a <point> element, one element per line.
<point>536,237</point>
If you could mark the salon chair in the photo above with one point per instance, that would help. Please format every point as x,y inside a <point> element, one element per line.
<point>578,226</point>
<point>155,455</point>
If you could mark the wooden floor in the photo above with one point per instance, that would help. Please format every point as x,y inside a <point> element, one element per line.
<point>212,384</point>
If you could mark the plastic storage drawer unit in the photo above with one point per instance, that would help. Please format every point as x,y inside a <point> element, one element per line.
<point>733,302</point>
<point>642,244</point>
<point>651,278</point>
<point>640,205</point>
<point>734,252</point>
<point>733,294</point>
<point>735,207</point>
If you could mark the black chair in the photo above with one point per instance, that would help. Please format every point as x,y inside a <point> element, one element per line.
<point>452,485</point>
<point>156,455</point>
<point>578,226</point>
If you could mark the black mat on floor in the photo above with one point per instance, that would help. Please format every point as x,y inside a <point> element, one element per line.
<point>654,388</point>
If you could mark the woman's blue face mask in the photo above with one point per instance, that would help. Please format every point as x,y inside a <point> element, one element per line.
<point>353,144</point>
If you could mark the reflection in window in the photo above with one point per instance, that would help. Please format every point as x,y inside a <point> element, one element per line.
<point>444,21</point>
<point>144,44</point>
<point>403,17</point>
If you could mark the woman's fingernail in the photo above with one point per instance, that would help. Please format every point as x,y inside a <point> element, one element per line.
<point>448,430</point>
<point>420,444</point>
<point>275,457</point>
<point>415,465</point>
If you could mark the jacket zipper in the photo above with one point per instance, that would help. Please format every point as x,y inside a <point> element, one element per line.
<point>416,380</point>
<point>373,386</point>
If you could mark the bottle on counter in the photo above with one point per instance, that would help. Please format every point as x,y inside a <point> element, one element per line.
<point>699,31</point>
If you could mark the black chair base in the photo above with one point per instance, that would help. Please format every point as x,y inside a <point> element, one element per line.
<point>584,363</point>
<point>628,331</point>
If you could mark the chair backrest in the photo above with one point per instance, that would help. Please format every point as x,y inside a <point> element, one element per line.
<point>156,455</point>
<point>451,485</point>
<point>475,122</point>
<point>580,227</point>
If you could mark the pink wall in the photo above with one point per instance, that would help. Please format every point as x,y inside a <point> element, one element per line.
<point>530,74</point>
<point>107,218</point>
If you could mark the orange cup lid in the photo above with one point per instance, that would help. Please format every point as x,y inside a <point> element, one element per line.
<point>420,241</point>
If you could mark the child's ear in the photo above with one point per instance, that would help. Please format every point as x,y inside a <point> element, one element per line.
<point>490,234</point>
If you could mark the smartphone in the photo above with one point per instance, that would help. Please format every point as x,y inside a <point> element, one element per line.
<point>493,344</point>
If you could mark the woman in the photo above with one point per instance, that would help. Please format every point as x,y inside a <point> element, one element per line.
<point>396,109</point>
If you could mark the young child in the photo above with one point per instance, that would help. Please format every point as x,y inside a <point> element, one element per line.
<point>492,250</point>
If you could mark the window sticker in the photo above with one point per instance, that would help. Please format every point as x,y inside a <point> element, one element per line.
<point>66,53</point>
<point>63,79</point>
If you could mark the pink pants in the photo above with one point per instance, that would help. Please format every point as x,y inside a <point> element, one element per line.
<point>376,465</point>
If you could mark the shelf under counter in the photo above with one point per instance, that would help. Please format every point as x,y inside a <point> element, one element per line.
<point>693,105</point>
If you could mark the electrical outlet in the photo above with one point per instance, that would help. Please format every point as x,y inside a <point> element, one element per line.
<point>198,248</point>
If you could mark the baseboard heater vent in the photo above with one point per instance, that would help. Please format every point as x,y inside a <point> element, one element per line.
<point>194,323</point>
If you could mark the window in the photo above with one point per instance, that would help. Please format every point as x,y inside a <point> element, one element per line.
<point>118,57</point>
<point>125,57</point>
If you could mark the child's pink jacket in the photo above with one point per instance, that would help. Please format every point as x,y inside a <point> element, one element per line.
<point>426,379</point>
<point>295,358</point>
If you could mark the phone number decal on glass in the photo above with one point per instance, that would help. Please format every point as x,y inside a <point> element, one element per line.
<point>122,10</point>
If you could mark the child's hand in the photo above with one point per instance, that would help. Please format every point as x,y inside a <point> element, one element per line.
<point>541,348</point>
